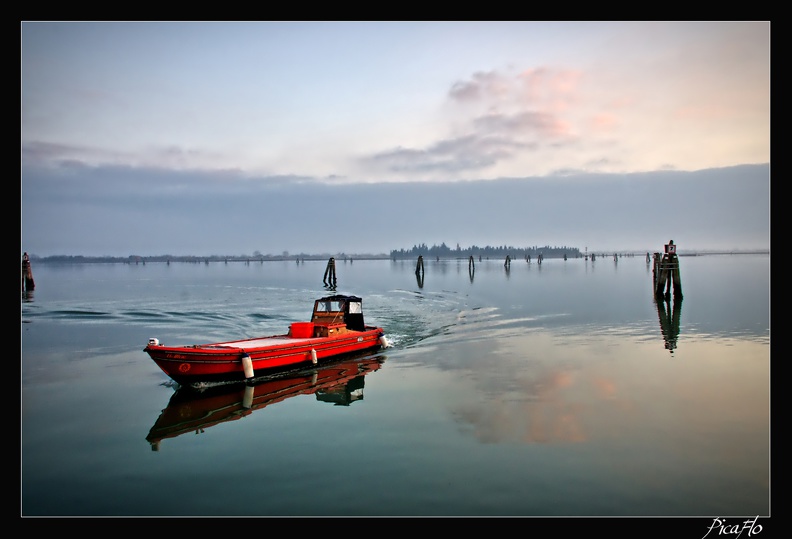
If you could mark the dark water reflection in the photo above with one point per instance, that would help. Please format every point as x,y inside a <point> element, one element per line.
<point>554,389</point>
<point>195,410</point>
<point>669,311</point>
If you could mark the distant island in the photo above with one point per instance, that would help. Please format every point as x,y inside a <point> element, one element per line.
<point>441,251</point>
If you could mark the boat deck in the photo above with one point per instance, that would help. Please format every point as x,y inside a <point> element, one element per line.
<point>259,342</point>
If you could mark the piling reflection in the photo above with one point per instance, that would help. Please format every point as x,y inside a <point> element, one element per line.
<point>192,411</point>
<point>669,312</point>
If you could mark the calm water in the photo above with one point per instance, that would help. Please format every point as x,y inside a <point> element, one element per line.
<point>560,389</point>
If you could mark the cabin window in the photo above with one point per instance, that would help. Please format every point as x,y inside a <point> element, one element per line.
<point>332,306</point>
<point>355,307</point>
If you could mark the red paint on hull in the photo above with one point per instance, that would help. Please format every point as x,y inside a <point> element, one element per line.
<point>223,361</point>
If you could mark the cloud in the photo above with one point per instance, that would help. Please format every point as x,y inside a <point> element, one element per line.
<point>123,210</point>
<point>464,154</point>
<point>486,140</point>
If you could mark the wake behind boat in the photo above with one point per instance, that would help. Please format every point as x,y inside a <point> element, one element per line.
<point>336,329</point>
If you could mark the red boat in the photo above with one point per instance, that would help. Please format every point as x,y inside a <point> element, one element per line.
<point>336,329</point>
<point>193,411</point>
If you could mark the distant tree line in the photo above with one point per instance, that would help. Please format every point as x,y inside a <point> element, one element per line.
<point>435,251</point>
<point>444,251</point>
<point>138,259</point>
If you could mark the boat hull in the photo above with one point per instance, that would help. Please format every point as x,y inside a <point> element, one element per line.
<point>249,358</point>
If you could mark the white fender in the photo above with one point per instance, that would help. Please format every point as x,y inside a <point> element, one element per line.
<point>247,365</point>
<point>314,359</point>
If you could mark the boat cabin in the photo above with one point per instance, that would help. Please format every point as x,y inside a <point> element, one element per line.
<point>331,315</point>
<point>346,311</point>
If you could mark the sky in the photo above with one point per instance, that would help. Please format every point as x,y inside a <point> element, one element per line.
<point>229,138</point>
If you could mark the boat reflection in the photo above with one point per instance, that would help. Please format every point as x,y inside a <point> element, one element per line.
<point>669,312</point>
<point>193,410</point>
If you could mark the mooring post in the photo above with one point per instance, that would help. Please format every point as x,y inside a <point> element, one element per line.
<point>667,272</point>
<point>507,263</point>
<point>471,264</point>
<point>419,266</point>
<point>330,273</point>
<point>27,274</point>
<point>677,279</point>
<point>661,276</point>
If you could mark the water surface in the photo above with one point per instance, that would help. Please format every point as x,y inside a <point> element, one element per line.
<point>560,389</point>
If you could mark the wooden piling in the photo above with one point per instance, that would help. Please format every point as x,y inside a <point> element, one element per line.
<point>677,279</point>
<point>419,271</point>
<point>330,273</point>
<point>27,275</point>
<point>507,263</point>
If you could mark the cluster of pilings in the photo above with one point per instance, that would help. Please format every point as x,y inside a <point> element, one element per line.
<point>666,272</point>
<point>329,279</point>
